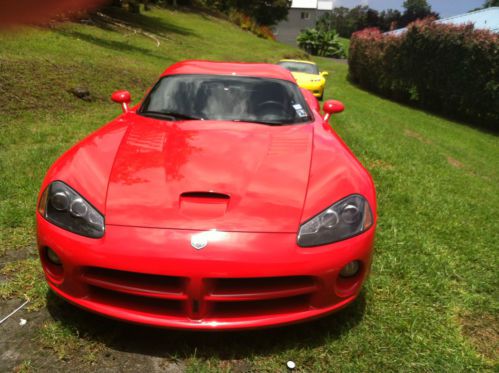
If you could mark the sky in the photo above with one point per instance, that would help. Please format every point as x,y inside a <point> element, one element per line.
<point>445,8</point>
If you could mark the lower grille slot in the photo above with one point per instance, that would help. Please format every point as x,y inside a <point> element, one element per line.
<point>260,307</point>
<point>247,289</point>
<point>147,285</point>
<point>143,305</point>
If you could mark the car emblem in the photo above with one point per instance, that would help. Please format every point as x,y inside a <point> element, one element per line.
<point>199,241</point>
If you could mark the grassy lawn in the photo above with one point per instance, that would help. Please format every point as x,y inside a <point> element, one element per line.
<point>345,43</point>
<point>432,301</point>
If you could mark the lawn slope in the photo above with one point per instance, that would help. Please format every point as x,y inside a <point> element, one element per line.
<point>431,303</point>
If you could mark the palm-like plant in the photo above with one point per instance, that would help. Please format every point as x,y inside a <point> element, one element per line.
<point>309,40</point>
<point>321,43</point>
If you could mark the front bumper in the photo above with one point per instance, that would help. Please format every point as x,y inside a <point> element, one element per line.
<point>239,280</point>
<point>316,89</point>
<point>317,92</point>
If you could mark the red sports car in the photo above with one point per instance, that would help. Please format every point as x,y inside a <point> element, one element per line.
<point>223,200</point>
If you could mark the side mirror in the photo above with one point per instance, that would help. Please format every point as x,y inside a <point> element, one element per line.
<point>324,73</point>
<point>123,98</point>
<point>332,107</point>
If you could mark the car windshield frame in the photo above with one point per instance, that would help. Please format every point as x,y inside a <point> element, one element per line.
<point>285,64</point>
<point>300,107</point>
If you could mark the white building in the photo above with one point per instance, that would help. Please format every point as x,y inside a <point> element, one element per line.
<point>302,15</point>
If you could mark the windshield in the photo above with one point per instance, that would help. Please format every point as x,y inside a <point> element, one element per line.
<point>300,67</point>
<point>231,98</point>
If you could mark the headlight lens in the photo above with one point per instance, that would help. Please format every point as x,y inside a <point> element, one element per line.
<point>346,218</point>
<point>64,207</point>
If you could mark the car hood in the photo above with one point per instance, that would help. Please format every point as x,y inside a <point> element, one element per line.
<point>304,78</point>
<point>210,175</point>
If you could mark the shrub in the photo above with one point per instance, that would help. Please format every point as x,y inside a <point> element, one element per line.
<point>249,24</point>
<point>321,43</point>
<point>445,68</point>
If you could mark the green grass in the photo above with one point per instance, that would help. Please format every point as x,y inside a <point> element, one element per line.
<point>65,341</point>
<point>345,42</point>
<point>431,302</point>
<point>25,281</point>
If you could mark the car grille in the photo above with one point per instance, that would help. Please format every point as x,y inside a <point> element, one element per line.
<point>200,298</point>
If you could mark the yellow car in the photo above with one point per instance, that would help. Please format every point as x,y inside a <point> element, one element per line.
<point>307,75</point>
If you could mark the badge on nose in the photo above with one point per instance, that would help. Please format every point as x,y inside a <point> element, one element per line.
<point>199,241</point>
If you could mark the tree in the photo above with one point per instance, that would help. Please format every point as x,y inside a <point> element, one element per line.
<point>416,9</point>
<point>134,6</point>
<point>490,3</point>
<point>389,19</point>
<point>357,18</point>
<point>346,21</point>
<point>372,18</point>
<point>487,4</point>
<point>337,19</point>
<point>264,12</point>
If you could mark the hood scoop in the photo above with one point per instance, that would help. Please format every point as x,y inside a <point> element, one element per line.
<point>203,205</point>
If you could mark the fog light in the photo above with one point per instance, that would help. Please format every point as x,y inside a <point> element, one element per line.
<point>351,269</point>
<point>53,257</point>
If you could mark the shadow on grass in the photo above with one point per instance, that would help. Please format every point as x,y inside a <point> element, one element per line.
<point>109,44</point>
<point>146,22</point>
<point>169,343</point>
<point>487,128</point>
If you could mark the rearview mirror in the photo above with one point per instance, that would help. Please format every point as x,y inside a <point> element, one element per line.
<point>324,73</point>
<point>123,98</point>
<point>332,107</point>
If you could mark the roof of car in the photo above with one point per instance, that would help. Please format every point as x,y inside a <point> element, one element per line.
<point>300,61</point>
<point>261,70</point>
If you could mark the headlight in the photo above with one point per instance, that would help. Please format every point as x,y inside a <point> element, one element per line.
<point>346,218</point>
<point>64,207</point>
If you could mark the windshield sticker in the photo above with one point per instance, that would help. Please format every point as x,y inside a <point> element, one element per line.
<point>301,113</point>
<point>297,106</point>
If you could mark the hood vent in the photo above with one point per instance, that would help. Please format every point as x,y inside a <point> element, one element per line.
<point>204,195</point>
<point>203,205</point>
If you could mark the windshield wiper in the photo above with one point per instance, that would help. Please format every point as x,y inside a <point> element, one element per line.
<point>168,115</point>
<point>269,122</point>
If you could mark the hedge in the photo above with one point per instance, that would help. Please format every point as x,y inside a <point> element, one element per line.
<point>449,69</point>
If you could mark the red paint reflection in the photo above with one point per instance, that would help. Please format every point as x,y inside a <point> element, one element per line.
<point>36,11</point>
